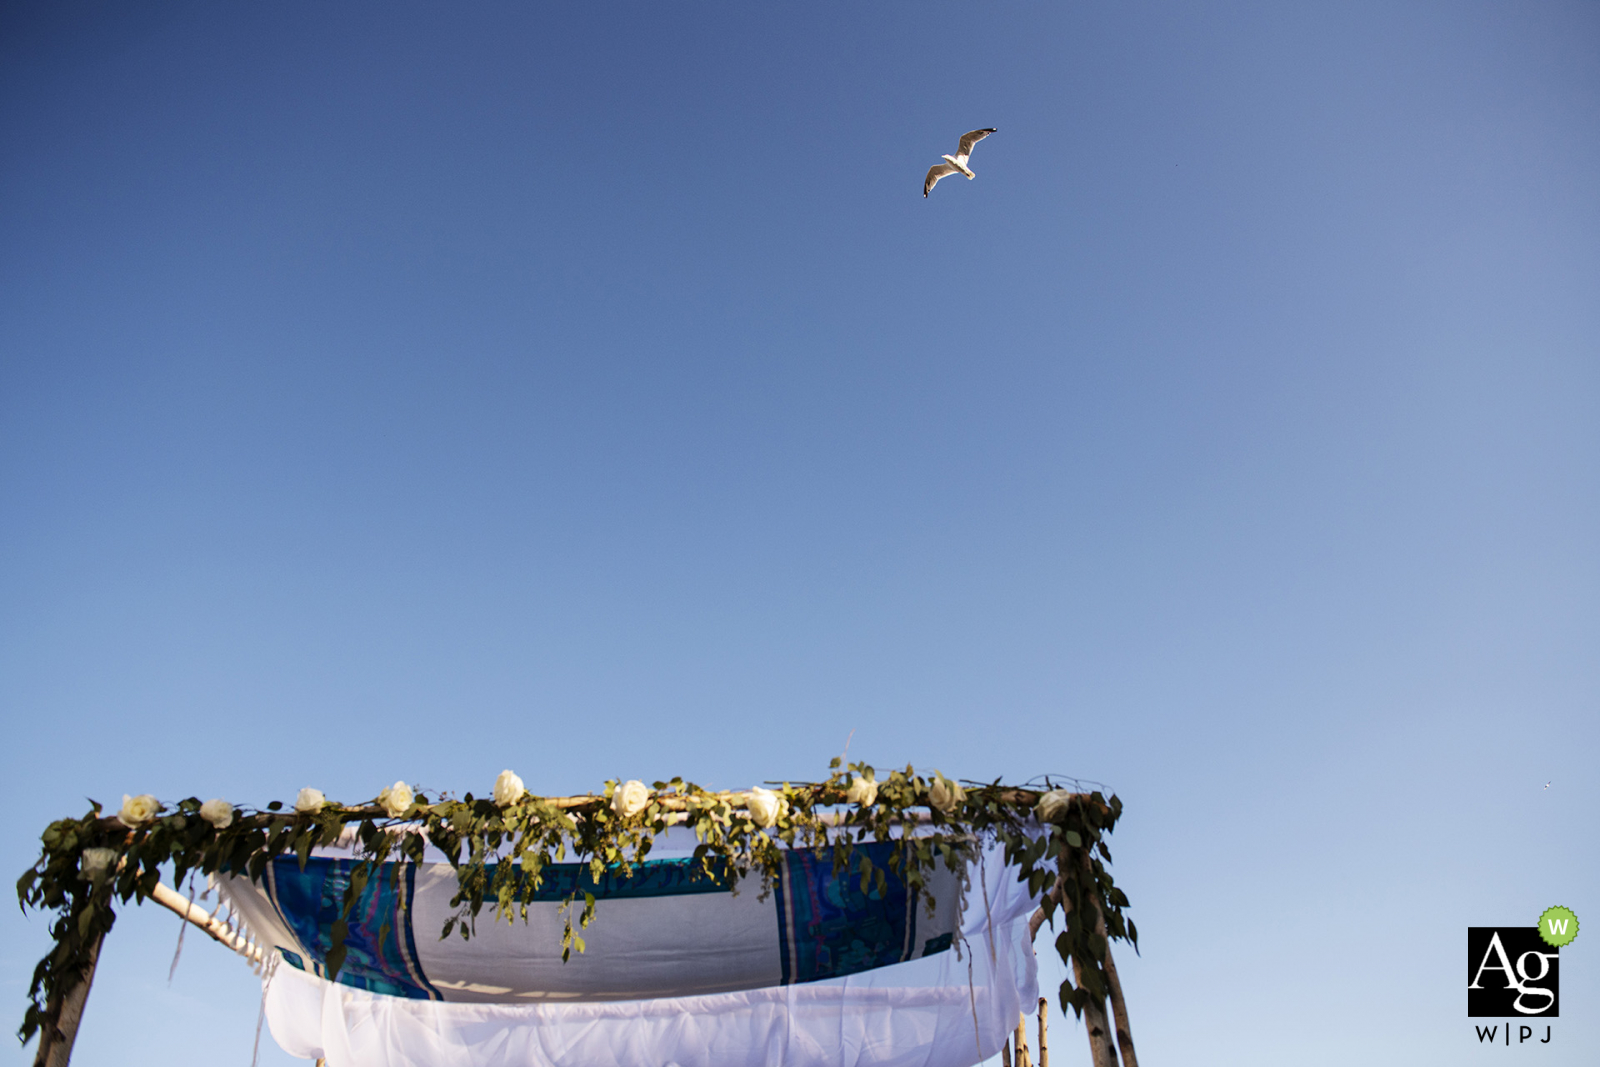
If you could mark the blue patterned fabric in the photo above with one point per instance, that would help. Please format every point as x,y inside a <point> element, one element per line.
<point>828,928</point>
<point>380,948</point>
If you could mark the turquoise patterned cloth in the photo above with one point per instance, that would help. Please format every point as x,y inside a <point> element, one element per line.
<point>823,925</point>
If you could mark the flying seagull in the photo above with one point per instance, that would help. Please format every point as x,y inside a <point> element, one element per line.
<point>957,164</point>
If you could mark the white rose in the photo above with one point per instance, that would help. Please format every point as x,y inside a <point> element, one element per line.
<point>629,799</point>
<point>1052,805</point>
<point>945,794</point>
<point>136,811</point>
<point>396,800</point>
<point>862,791</point>
<point>95,862</point>
<point>507,789</point>
<point>309,801</point>
<point>764,806</point>
<point>218,813</point>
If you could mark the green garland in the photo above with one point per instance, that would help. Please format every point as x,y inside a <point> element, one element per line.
<point>86,864</point>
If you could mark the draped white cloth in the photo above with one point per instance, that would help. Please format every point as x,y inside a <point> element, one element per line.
<point>951,1008</point>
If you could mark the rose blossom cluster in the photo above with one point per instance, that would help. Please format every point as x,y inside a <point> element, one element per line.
<point>1052,805</point>
<point>508,789</point>
<point>764,806</point>
<point>396,800</point>
<point>944,794</point>
<point>862,791</point>
<point>136,811</point>
<point>629,798</point>
<point>217,812</point>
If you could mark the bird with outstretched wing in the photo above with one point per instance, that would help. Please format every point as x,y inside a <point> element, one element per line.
<point>956,164</point>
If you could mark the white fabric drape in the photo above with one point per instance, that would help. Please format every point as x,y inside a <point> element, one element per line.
<point>920,1013</point>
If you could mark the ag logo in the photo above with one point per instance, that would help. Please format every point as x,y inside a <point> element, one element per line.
<point>1512,971</point>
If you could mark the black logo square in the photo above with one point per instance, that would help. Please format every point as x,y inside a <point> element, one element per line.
<point>1512,972</point>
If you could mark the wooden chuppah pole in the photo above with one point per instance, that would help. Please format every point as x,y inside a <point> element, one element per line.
<point>1119,1006</point>
<point>57,1051</point>
<point>1101,1052</point>
<point>60,1029</point>
<point>214,928</point>
<point>1044,1028</point>
<point>1021,1042</point>
<point>1119,1012</point>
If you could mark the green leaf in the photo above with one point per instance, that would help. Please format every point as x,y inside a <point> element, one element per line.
<point>335,960</point>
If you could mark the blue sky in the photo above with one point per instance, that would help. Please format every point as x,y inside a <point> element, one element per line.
<point>401,391</point>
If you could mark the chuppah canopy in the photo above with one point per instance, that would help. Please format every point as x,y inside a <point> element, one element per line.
<point>853,921</point>
<point>676,970</point>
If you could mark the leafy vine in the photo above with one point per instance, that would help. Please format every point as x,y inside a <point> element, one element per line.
<point>499,846</point>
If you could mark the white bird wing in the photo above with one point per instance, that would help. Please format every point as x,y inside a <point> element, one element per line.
<point>964,149</point>
<point>943,170</point>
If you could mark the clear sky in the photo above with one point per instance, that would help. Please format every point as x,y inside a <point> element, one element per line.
<point>417,390</point>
